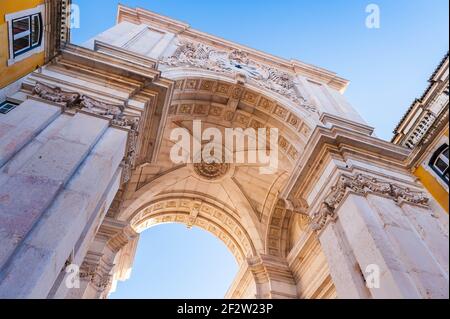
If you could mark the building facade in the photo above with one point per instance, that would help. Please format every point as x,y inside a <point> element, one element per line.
<point>30,35</point>
<point>424,129</point>
<point>342,216</point>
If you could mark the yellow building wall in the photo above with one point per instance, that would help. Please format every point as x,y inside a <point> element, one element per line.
<point>435,188</point>
<point>19,69</point>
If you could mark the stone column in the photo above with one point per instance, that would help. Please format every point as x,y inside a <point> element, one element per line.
<point>347,276</point>
<point>98,268</point>
<point>376,238</point>
<point>378,227</point>
<point>51,186</point>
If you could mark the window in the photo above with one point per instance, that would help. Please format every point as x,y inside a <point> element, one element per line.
<point>440,162</point>
<point>26,33</point>
<point>6,107</point>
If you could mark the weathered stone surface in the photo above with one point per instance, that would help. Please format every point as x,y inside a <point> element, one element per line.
<point>43,175</point>
<point>17,128</point>
<point>76,187</point>
<point>61,226</point>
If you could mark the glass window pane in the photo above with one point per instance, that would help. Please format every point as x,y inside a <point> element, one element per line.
<point>441,165</point>
<point>21,44</point>
<point>6,107</point>
<point>445,153</point>
<point>21,25</point>
<point>36,30</point>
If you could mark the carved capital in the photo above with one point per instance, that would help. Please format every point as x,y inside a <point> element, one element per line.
<point>363,185</point>
<point>96,275</point>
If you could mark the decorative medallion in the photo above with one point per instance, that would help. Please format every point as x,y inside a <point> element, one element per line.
<point>211,171</point>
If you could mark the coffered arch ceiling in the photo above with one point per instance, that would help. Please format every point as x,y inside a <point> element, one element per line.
<point>187,182</point>
<point>221,103</point>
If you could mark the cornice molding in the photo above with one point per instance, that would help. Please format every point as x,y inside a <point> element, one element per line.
<point>138,16</point>
<point>340,139</point>
<point>113,60</point>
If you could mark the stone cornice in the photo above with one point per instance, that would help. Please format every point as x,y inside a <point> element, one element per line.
<point>113,60</point>
<point>341,139</point>
<point>139,16</point>
<point>362,185</point>
<point>420,151</point>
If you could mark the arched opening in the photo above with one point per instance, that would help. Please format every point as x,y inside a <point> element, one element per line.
<point>238,205</point>
<point>173,261</point>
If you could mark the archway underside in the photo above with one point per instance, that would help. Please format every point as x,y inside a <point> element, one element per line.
<point>192,212</point>
<point>238,205</point>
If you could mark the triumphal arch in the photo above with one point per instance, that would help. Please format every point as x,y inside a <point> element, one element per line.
<point>87,165</point>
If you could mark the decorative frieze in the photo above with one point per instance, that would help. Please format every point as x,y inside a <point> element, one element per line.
<point>56,95</point>
<point>237,62</point>
<point>363,185</point>
<point>115,112</point>
<point>100,108</point>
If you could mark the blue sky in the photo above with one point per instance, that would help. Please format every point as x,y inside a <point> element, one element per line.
<point>388,68</point>
<point>173,261</point>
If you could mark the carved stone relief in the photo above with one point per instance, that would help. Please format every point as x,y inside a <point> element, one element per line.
<point>363,185</point>
<point>211,171</point>
<point>205,57</point>
<point>115,113</point>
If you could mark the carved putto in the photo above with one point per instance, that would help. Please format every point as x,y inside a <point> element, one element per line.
<point>69,99</point>
<point>100,107</point>
<point>74,100</point>
<point>363,185</point>
<point>201,56</point>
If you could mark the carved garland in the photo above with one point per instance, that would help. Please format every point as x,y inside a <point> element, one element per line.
<point>363,185</point>
<point>238,63</point>
<point>73,100</point>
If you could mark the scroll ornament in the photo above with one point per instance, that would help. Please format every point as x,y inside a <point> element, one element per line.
<point>363,185</point>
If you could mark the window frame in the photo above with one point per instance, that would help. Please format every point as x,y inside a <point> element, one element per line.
<point>33,47</point>
<point>439,154</point>
<point>2,105</point>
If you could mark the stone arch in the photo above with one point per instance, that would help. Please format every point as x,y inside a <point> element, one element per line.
<point>194,210</point>
<point>277,243</point>
<point>157,189</point>
<point>200,94</point>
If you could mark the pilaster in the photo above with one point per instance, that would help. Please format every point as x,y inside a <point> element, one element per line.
<point>98,268</point>
<point>273,278</point>
<point>381,236</point>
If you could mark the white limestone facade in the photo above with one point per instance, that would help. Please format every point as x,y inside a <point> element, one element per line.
<point>85,167</point>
